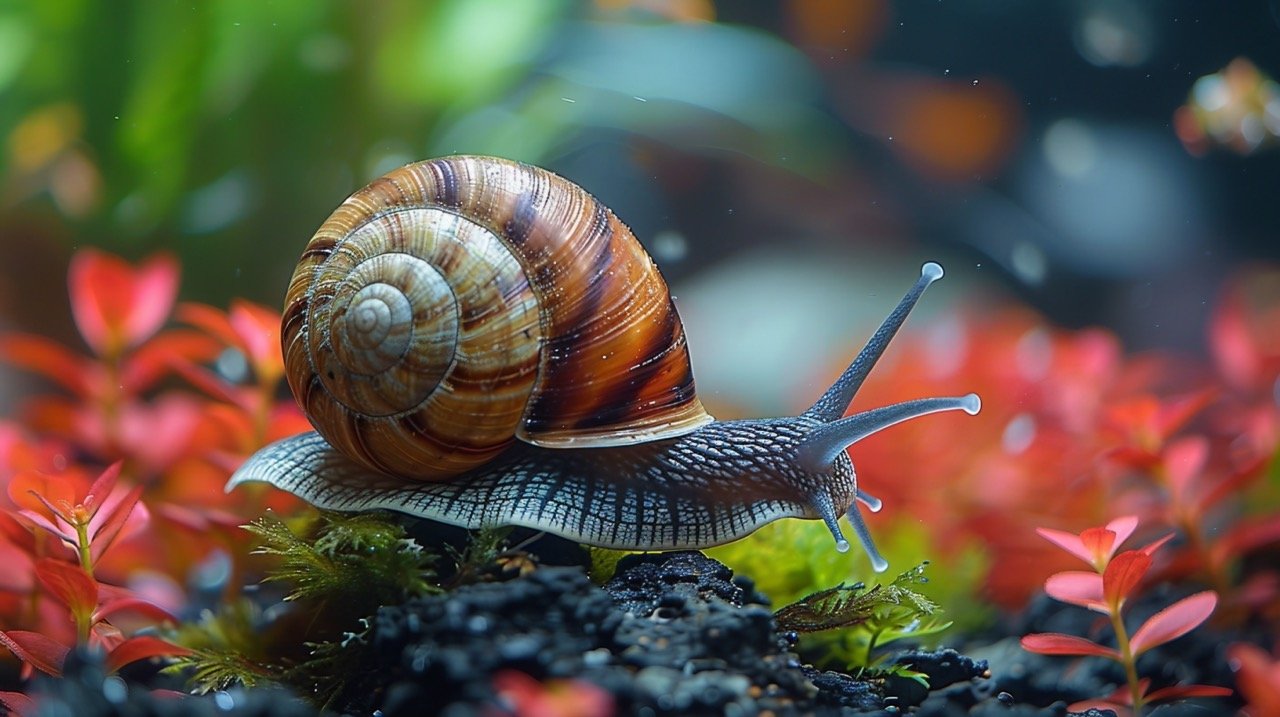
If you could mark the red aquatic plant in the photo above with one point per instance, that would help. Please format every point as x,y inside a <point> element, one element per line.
<point>64,534</point>
<point>1258,677</point>
<point>250,410</point>
<point>180,444</point>
<point>119,311</point>
<point>1072,430</point>
<point>1107,589</point>
<point>522,696</point>
<point>86,521</point>
<point>74,607</point>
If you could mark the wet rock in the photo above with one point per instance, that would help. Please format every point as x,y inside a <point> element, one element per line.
<point>673,634</point>
<point>86,690</point>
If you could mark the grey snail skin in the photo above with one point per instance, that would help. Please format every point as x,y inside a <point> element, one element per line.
<point>482,343</point>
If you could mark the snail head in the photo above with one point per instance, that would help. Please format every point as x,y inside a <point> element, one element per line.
<point>823,449</point>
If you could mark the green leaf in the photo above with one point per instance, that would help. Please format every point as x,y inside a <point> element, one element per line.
<point>888,606</point>
<point>867,618</point>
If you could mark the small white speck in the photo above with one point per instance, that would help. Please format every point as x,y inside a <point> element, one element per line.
<point>639,99</point>
<point>571,101</point>
<point>975,83</point>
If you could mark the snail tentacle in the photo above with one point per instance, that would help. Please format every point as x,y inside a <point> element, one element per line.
<point>824,443</point>
<point>835,401</point>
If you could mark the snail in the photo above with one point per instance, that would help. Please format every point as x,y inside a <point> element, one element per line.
<point>481,342</point>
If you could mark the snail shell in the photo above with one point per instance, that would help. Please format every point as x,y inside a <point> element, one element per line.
<point>481,342</point>
<point>456,305</point>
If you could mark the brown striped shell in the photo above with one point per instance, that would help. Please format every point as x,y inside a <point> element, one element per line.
<point>457,304</point>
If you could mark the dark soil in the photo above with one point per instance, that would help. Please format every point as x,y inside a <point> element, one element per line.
<point>671,634</point>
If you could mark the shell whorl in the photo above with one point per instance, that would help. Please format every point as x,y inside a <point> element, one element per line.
<point>457,304</point>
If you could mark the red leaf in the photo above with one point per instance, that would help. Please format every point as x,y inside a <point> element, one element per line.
<point>110,608</point>
<point>102,487</point>
<point>1121,709</point>
<point>36,650</point>
<point>1233,345</point>
<point>49,359</point>
<point>141,647</point>
<point>1184,462</point>
<point>116,306</point>
<point>1078,588</point>
<point>213,321</point>
<point>1095,546</point>
<point>15,576</point>
<point>1177,692</point>
<point>1155,545</point>
<point>113,520</point>
<point>259,330</point>
<point>1069,542</point>
<point>38,492</point>
<point>1257,677</point>
<point>1123,574</point>
<point>1123,527</point>
<point>154,359</point>
<point>1055,643</point>
<point>1174,621</point>
<point>70,584</point>
<point>1249,534</point>
<point>32,520</point>
<point>206,381</point>
<point>18,703</point>
<point>1101,544</point>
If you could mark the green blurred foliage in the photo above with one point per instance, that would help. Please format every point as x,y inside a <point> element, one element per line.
<point>228,130</point>
<point>790,559</point>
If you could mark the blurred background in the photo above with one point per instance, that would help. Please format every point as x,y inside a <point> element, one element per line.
<point>789,164</point>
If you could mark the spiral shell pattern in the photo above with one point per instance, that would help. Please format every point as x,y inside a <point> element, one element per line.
<point>457,304</point>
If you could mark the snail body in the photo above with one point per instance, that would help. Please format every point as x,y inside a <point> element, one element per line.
<point>481,342</point>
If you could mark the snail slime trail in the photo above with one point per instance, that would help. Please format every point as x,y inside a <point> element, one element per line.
<point>444,331</point>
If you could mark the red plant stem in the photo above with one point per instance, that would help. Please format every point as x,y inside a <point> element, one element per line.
<point>83,548</point>
<point>1186,517</point>
<point>1127,659</point>
<point>262,414</point>
<point>110,404</point>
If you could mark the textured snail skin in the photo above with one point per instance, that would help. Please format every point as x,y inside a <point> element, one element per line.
<point>705,488</point>
<point>482,343</point>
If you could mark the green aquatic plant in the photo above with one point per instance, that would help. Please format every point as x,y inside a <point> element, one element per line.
<point>768,558</point>
<point>227,648</point>
<point>358,561</point>
<point>866,619</point>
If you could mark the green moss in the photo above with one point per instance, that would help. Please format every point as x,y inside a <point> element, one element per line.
<point>359,561</point>
<point>343,567</point>
<point>227,648</point>
<point>789,559</point>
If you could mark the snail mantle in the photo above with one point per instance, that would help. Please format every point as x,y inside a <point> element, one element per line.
<point>483,343</point>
